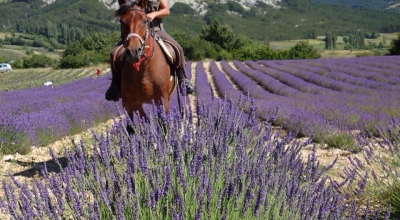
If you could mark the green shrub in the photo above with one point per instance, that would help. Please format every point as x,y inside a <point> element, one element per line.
<point>71,61</point>
<point>364,54</point>
<point>255,52</point>
<point>12,142</point>
<point>199,49</point>
<point>303,50</point>
<point>37,61</point>
<point>18,64</point>
<point>342,141</point>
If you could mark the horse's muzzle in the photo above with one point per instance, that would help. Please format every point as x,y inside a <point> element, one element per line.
<point>134,55</point>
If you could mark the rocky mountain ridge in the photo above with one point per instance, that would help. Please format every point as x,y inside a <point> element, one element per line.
<point>198,5</point>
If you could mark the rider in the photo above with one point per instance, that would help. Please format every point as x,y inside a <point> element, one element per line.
<point>155,10</point>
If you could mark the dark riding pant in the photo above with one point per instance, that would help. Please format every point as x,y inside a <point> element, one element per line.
<point>164,35</point>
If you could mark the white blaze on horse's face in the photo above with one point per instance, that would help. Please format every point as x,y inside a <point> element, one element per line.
<point>134,31</point>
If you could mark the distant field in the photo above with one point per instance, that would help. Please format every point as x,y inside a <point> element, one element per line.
<point>12,53</point>
<point>320,44</point>
<point>2,34</point>
<point>284,45</point>
<point>389,38</point>
<point>17,52</point>
<point>31,78</point>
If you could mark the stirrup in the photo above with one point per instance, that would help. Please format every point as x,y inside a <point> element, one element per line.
<point>186,87</point>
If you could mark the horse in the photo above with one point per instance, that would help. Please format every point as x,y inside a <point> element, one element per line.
<point>146,75</point>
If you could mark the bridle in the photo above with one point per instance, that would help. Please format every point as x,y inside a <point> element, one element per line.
<point>143,42</point>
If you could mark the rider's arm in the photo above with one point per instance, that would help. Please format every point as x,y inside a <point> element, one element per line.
<point>163,12</point>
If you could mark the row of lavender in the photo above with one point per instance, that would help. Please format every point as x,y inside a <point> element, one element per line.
<point>317,100</point>
<point>42,115</point>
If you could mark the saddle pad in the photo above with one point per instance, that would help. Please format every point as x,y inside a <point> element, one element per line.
<point>165,49</point>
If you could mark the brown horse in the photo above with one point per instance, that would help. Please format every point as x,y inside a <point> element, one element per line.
<point>146,75</point>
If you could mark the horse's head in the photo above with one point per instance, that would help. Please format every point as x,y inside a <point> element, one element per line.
<point>134,27</point>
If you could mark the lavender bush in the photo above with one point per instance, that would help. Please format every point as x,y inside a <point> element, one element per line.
<point>227,166</point>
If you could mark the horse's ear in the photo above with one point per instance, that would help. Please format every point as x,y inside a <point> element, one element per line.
<point>143,4</point>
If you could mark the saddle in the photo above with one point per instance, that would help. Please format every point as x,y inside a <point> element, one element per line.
<point>171,51</point>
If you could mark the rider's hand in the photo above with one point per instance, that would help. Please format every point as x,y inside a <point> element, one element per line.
<point>151,16</point>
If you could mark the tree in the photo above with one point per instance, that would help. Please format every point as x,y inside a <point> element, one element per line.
<point>334,39</point>
<point>395,46</point>
<point>182,38</point>
<point>199,49</point>
<point>218,35</point>
<point>73,49</point>
<point>328,41</point>
<point>303,50</point>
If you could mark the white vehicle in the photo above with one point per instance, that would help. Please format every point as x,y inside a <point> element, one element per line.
<point>5,67</point>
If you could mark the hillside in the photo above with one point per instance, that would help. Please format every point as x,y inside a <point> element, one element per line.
<point>69,20</point>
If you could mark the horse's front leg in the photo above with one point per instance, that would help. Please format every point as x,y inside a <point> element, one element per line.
<point>136,111</point>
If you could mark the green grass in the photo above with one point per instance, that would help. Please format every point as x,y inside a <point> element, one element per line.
<point>319,44</point>
<point>18,52</point>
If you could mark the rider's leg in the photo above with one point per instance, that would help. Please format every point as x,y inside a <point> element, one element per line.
<point>181,70</point>
<point>113,92</point>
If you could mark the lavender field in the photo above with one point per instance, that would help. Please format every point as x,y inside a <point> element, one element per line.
<point>325,98</point>
<point>224,158</point>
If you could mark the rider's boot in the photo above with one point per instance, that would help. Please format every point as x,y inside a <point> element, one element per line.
<point>188,86</point>
<point>184,83</point>
<point>113,92</point>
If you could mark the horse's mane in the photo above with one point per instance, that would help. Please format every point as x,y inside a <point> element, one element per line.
<point>126,6</point>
